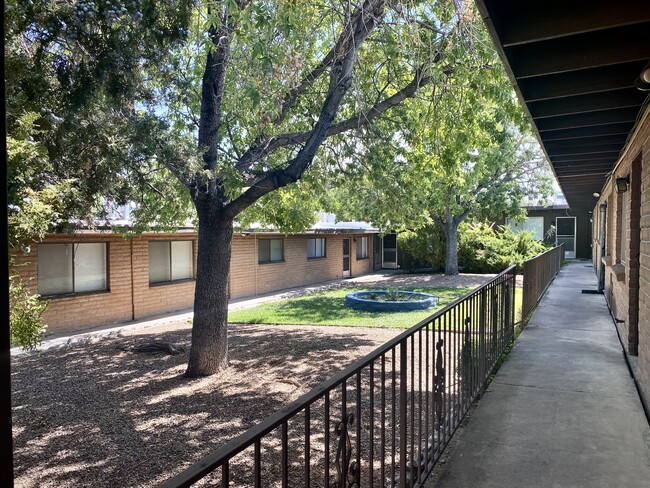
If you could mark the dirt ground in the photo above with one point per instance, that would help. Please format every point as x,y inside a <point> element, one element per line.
<point>95,415</point>
<point>92,414</point>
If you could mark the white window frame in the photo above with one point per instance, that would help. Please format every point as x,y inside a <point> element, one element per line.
<point>316,247</point>
<point>271,259</point>
<point>172,277</point>
<point>72,249</point>
<point>362,247</point>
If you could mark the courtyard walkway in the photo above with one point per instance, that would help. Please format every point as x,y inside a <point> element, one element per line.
<point>563,410</point>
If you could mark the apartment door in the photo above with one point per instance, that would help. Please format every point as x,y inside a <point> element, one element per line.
<point>565,233</point>
<point>346,258</point>
<point>376,252</point>
<point>389,251</point>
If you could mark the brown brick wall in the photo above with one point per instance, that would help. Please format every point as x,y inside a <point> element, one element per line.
<point>162,297</point>
<point>130,296</point>
<point>87,309</point>
<point>248,277</point>
<point>625,284</point>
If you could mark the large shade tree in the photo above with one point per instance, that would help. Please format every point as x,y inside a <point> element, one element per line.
<point>462,149</point>
<point>206,109</point>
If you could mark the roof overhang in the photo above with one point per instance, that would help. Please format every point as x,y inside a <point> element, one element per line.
<point>573,65</point>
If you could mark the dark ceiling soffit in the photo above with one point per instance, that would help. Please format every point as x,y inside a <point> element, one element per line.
<point>586,133</point>
<point>572,64</point>
<point>567,143</point>
<point>591,50</point>
<point>576,150</point>
<point>581,82</point>
<point>593,102</point>
<point>541,22</point>
<point>614,116</point>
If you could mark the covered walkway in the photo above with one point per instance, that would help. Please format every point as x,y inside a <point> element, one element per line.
<point>563,410</point>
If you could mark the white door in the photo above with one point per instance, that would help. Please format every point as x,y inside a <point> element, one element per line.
<point>565,233</point>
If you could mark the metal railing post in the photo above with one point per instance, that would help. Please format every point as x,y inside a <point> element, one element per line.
<point>403,422</point>
<point>481,341</point>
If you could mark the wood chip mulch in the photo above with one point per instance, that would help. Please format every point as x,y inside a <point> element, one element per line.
<point>100,414</point>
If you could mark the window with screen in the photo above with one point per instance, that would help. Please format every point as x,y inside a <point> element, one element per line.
<point>170,261</point>
<point>71,268</point>
<point>270,251</point>
<point>362,247</point>
<point>316,247</point>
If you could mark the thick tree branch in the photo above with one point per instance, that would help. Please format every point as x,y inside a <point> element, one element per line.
<point>292,97</point>
<point>266,147</point>
<point>361,24</point>
<point>213,86</point>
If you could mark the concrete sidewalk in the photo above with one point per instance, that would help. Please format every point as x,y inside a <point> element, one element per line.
<point>562,410</point>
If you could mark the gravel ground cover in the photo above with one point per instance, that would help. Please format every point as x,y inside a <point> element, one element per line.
<point>96,415</point>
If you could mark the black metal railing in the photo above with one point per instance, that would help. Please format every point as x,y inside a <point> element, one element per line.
<point>538,274</point>
<point>383,421</point>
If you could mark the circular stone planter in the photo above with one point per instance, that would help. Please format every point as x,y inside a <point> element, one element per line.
<point>362,300</point>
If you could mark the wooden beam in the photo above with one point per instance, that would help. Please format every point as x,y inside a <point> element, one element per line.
<point>591,50</point>
<point>575,150</point>
<point>628,97</point>
<point>581,82</point>
<point>537,21</point>
<point>588,119</point>
<point>581,170</point>
<point>587,133</point>
<point>603,156</point>
<point>595,141</point>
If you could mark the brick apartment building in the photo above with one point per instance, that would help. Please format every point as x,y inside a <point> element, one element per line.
<point>97,277</point>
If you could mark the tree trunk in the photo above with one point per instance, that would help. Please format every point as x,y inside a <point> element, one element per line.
<point>451,261</point>
<point>209,351</point>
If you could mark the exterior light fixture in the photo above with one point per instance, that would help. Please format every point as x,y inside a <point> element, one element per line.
<point>643,81</point>
<point>603,206</point>
<point>622,184</point>
<point>596,194</point>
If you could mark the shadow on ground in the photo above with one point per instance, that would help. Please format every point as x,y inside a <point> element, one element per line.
<point>95,415</point>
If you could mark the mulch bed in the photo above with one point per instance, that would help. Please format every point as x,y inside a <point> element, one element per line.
<point>102,414</point>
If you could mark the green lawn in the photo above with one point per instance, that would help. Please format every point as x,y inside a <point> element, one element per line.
<point>328,308</point>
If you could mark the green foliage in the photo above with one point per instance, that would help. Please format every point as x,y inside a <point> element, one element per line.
<point>426,245</point>
<point>25,315</point>
<point>486,249</point>
<point>81,112</point>
<point>328,308</point>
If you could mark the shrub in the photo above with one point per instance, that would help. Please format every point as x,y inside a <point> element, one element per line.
<point>426,247</point>
<point>25,316</point>
<point>483,248</point>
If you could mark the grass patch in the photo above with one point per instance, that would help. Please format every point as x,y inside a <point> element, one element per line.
<point>328,308</point>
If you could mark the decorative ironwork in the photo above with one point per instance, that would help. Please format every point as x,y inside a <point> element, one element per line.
<point>439,383</point>
<point>466,359</point>
<point>347,470</point>
<point>416,406</point>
